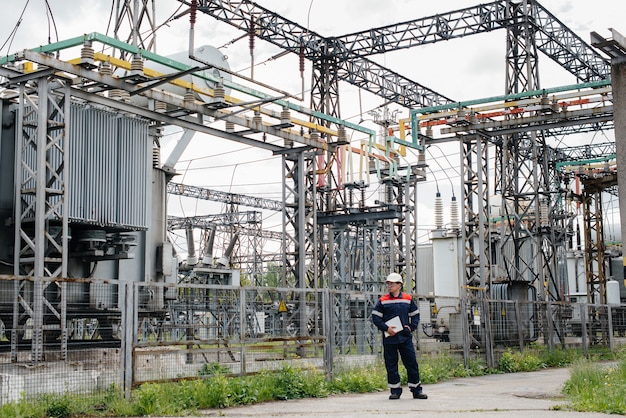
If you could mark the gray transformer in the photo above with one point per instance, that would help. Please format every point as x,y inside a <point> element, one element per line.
<point>110,190</point>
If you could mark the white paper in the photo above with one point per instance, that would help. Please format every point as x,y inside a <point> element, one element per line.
<point>395,323</point>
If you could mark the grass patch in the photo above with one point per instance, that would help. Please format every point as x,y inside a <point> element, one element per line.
<point>597,388</point>
<point>591,388</point>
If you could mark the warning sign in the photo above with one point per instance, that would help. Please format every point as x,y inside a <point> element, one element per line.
<point>282,307</point>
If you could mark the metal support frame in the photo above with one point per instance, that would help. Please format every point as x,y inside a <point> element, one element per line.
<point>475,235</point>
<point>140,15</point>
<point>299,226</point>
<point>41,220</point>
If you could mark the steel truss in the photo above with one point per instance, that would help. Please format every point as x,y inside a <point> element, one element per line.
<point>41,218</point>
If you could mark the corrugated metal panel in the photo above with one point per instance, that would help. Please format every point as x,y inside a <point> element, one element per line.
<point>425,270</point>
<point>109,159</point>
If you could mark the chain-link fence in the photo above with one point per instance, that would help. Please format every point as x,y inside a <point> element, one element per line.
<point>93,336</point>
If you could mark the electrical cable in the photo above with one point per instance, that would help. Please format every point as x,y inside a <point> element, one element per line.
<point>226,165</point>
<point>11,36</point>
<point>54,24</point>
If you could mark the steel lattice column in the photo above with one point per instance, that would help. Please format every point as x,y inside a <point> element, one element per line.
<point>299,226</point>
<point>517,157</point>
<point>474,152</point>
<point>140,15</point>
<point>528,243</point>
<point>391,237</point>
<point>475,213</point>
<point>41,221</point>
<point>595,262</point>
<point>411,230</point>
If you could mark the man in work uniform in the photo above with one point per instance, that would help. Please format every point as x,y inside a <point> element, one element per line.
<point>397,339</point>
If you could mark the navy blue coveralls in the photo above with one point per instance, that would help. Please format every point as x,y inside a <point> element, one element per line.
<point>404,307</point>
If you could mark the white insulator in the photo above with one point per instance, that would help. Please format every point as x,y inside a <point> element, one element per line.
<point>285,116</point>
<point>87,52</point>
<point>257,117</point>
<point>189,97</point>
<point>87,55</point>
<point>230,126</point>
<point>315,136</point>
<point>115,94</point>
<point>454,214</point>
<point>342,136</point>
<point>156,157</point>
<point>160,107</point>
<point>105,68</point>
<point>136,64</point>
<point>219,92</point>
<point>124,96</point>
<point>421,158</point>
<point>429,131</point>
<point>438,211</point>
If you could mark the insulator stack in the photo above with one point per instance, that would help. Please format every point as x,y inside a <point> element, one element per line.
<point>301,59</point>
<point>219,93</point>
<point>136,64</point>
<point>189,97</point>
<point>315,136</point>
<point>251,36</point>
<point>454,214</point>
<point>156,157</point>
<point>115,94</point>
<point>105,68</point>
<point>285,116</point>
<point>192,259</point>
<point>230,126</point>
<point>87,55</point>
<point>438,211</point>
<point>160,107</point>
<point>257,117</point>
<point>193,12</point>
<point>124,96</point>
<point>421,158</point>
<point>342,135</point>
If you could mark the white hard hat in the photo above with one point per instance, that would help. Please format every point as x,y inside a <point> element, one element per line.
<point>394,277</point>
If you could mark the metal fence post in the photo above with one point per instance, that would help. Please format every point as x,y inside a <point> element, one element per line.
<point>128,308</point>
<point>583,328</point>
<point>520,330</point>
<point>610,325</point>
<point>242,328</point>
<point>328,326</point>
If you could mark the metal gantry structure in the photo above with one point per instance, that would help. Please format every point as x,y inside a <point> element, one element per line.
<point>530,29</point>
<point>328,238</point>
<point>533,241</point>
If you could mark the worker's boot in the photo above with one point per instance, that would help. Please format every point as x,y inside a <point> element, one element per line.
<point>395,393</point>
<point>418,393</point>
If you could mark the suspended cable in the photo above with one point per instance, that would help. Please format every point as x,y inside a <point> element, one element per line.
<point>11,36</point>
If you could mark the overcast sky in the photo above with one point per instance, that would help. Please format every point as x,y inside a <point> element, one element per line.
<point>462,69</point>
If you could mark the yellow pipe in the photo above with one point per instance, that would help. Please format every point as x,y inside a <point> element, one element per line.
<point>116,62</point>
<point>98,56</point>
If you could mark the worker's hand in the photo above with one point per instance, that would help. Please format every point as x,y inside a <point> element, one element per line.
<point>391,331</point>
<point>407,330</point>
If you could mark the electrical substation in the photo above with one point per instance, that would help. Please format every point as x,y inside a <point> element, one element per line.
<point>103,281</point>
